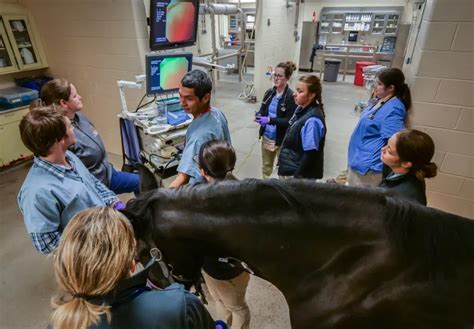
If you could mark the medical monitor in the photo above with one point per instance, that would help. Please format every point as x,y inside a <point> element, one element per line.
<point>165,71</point>
<point>173,23</point>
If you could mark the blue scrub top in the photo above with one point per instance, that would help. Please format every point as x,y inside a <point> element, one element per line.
<point>372,132</point>
<point>311,134</point>
<point>270,130</point>
<point>210,126</point>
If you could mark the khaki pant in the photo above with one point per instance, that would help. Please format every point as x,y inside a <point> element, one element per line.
<point>370,179</point>
<point>268,160</point>
<point>229,296</point>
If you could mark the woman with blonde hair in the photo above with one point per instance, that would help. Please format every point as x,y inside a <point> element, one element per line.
<point>93,267</point>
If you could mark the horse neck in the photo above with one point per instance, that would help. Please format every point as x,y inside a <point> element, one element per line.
<point>277,237</point>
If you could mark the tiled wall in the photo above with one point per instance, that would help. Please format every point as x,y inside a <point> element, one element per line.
<point>442,81</point>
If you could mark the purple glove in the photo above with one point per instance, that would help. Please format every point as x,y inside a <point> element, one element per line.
<point>119,205</point>
<point>262,120</point>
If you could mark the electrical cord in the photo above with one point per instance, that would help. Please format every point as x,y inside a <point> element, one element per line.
<point>140,105</point>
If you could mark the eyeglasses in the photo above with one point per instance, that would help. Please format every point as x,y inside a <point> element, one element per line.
<point>278,76</point>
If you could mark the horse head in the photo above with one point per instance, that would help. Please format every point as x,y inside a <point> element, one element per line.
<point>179,260</point>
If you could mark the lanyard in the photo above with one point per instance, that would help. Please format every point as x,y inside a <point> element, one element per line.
<point>378,106</point>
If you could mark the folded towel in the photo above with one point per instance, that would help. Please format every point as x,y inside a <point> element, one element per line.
<point>177,117</point>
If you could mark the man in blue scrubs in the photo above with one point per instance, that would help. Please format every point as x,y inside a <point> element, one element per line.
<point>58,184</point>
<point>208,124</point>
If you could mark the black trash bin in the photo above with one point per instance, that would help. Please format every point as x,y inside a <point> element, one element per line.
<point>331,69</point>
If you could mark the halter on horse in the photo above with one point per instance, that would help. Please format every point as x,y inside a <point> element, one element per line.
<point>343,257</point>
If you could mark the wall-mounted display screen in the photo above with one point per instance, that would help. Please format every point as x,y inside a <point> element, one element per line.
<point>353,36</point>
<point>164,72</point>
<point>173,23</point>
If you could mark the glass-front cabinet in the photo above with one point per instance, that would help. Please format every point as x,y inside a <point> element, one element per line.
<point>22,41</point>
<point>7,60</point>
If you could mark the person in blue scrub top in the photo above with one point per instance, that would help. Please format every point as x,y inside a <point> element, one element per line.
<point>58,185</point>
<point>302,150</point>
<point>378,122</point>
<point>275,112</point>
<point>208,124</point>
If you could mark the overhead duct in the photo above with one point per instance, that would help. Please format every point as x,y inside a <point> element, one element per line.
<point>219,9</point>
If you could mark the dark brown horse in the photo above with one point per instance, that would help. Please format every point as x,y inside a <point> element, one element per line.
<point>343,257</point>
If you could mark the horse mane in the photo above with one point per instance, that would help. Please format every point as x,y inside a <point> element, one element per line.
<point>437,240</point>
<point>430,236</point>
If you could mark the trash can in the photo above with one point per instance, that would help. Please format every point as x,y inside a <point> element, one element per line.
<point>331,69</point>
<point>358,77</point>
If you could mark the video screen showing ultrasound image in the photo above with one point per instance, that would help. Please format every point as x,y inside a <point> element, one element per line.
<point>173,23</point>
<point>164,72</point>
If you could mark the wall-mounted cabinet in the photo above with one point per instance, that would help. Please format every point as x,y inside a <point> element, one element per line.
<point>20,49</point>
<point>374,20</point>
<point>386,24</point>
<point>331,23</point>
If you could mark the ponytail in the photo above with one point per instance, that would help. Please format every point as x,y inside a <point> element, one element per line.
<point>320,103</point>
<point>427,171</point>
<point>95,253</point>
<point>78,313</point>
<point>405,96</point>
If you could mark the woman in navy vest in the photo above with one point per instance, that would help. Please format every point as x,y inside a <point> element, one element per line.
<point>302,150</point>
<point>275,112</point>
<point>407,158</point>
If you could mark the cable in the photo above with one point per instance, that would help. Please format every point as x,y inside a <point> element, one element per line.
<point>248,94</point>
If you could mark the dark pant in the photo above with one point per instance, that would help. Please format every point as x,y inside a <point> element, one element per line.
<point>124,182</point>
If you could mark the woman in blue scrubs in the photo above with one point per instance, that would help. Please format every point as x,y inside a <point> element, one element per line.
<point>302,150</point>
<point>378,122</point>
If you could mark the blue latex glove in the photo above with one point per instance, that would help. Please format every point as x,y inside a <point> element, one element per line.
<point>119,205</point>
<point>262,120</point>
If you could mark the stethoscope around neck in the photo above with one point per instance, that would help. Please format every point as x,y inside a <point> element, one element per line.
<point>371,116</point>
<point>283,106</point>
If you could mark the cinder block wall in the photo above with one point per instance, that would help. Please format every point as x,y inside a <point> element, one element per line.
<point>442,80</point>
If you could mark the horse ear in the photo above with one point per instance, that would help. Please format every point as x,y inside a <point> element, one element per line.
<point>148,180</point>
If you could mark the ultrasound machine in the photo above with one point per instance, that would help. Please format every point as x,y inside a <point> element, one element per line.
<point>154,133</point>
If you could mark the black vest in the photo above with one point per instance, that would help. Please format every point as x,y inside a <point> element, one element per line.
<point>292,147</point>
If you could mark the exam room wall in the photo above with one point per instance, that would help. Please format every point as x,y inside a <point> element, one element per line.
<point>93,44</point>
<point>441,77</point>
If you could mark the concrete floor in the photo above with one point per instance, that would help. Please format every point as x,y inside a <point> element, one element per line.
<point>27,281</point>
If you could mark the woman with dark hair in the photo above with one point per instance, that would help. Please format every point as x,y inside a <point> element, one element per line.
<point>275,112</point>
<point>216,160</point>
<point>378,122</point>
<point>302,149</point>
<point>227,285</point>
<point>407,158</point>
